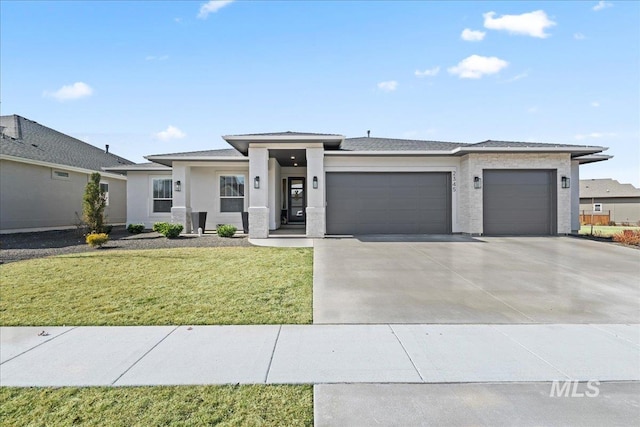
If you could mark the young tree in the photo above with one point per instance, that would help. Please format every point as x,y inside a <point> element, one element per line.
<point>93,204</point>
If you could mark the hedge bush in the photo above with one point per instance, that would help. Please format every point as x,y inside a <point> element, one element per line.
<point>135,228</point>
<point>97,239</point>
<point>170,231</point>
<point>226,230</point>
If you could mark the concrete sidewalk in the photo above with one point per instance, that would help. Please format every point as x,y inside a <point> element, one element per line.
<point>317,354</point>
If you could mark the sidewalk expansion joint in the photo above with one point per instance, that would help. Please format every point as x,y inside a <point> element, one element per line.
<point>406,352</point>
<point>38,345</point>
<point>273,352</point>
<point>144,355</point>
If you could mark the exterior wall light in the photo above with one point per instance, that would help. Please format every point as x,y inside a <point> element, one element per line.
<point>477,182</point>
<point>315,182</point>
<point>256,182</point>
<point>566,182</point>
<point>178,186</point>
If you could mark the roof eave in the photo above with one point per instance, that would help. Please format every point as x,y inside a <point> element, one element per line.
<point>574,151</point>
<point>389,153</point>
<point>168,160</point>
<point>241,142</point>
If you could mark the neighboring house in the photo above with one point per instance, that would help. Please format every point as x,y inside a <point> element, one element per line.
<point>329,184</point>
<point>43,174</point>
<point>607,196</point>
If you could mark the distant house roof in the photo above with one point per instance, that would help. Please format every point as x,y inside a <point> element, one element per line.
<point>24,138</point>
<point>601,188</point>
<point>286,133</point>
<point>138,167</point>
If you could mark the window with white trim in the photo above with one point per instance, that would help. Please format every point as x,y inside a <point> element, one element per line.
<point>231,193</point>
<point>597,207</point>
<point>104,189</point>
<point>162,195</point>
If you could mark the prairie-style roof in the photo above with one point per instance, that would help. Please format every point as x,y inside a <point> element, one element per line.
<point>26,139</point>
<point>395,144</point>
<point>601,188</point>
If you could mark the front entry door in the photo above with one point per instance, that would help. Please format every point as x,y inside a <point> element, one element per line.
<point>297,200</point>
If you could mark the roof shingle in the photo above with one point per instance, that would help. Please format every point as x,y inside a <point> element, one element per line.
<point>27,139</point>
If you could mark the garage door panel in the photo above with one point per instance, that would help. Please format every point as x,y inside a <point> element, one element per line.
<point>388,203</point>
<point>519,202</point>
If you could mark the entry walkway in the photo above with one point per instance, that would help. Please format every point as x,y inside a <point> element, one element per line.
<point>317,354</point>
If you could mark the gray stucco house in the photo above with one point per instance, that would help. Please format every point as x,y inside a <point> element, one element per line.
<point>620,201</point>
<point>43,174</point>
<point>327,184</point>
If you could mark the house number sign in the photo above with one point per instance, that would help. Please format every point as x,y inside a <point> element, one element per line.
<point>453,181</point>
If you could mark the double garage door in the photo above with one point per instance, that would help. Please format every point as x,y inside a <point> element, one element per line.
<point>388,203</point>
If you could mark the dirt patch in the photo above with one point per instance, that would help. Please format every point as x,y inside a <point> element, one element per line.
<point>21,246</point>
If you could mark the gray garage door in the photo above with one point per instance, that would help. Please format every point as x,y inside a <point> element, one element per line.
<point>519,202</point>
<point>388,203</point>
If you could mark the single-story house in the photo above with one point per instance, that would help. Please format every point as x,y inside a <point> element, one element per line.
<point>43,174</point>
<point>327,184</point>
<point>621,202</point>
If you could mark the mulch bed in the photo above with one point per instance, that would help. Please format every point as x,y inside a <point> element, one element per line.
<point>21,246</point>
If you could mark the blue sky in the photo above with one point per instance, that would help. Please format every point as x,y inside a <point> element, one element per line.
<point>159,77</point>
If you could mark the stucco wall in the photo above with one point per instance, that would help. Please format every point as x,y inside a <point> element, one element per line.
<point>31,198</point>
<point>139,198</point>
<point>474,164</point>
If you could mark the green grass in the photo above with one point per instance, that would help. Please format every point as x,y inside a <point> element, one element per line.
<point>605,230</point>
<point>250,405</point>
<point>186,286</point>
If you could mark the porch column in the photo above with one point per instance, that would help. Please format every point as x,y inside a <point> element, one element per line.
<point>258,197</point>
<point>181,209</point>
<point>575,196</point>
<point>315,212</point>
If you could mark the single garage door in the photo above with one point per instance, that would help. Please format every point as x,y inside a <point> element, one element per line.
<point>519,202</point>
<point>388,203</point>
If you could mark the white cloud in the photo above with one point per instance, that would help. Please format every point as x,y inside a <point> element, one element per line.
<point>602,5</point>
<point>429,72</point>
<point>471,35</point>
<point>157,58</point>
<point>595,104</point>
<point>532,110</point>
<point>476,66</point>
<point>212,6</point>
<point>531,24</point>
<point>75,91</point>
<point>594,135</point>
<point>517,77</point>
<point>579,36</point>
<point>171,132</point>
<point>389,86</point>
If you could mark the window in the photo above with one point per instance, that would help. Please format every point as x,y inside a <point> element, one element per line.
<point>232,193</point>
<point>104,188</point>
<point>597,207</point>
<point>56,174</point>
<point>162,195</point>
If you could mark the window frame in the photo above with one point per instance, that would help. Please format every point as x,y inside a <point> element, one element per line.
<point>60,175</point>
<point>106,192</point>
<point>221,196</point>
<point>152,199</point>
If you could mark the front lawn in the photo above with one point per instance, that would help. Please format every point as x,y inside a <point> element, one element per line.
<point>247,405</point>
<point>180,286</point>
<point>605,230</point>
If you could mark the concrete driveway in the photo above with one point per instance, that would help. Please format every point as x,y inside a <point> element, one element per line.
<point>458,279</point>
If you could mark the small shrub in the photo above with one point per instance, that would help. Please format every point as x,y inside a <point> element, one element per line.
<point>97,239</point>
<point>612,223</point>
<point>170,231</point>
<point>628,237</point>
<point>135,228</point>
<point>226,230</point>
